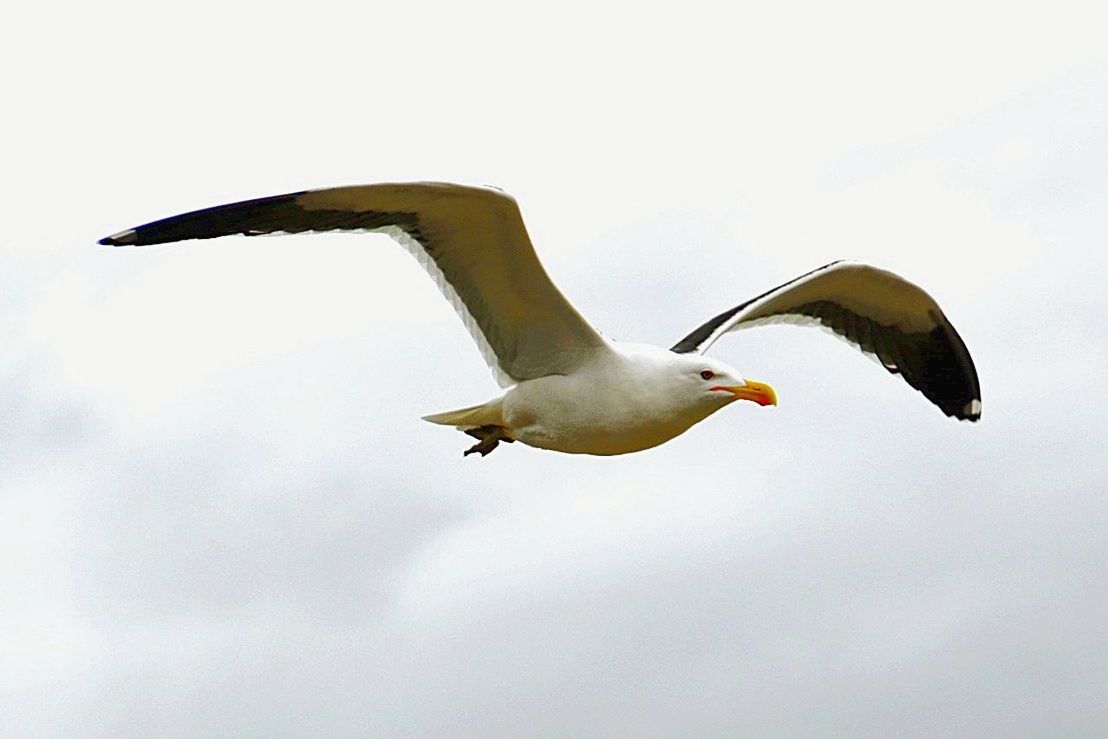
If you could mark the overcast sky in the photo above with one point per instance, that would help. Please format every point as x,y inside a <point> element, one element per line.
<point>220,512</point>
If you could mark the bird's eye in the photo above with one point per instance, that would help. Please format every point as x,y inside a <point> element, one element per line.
<point>707,374</point>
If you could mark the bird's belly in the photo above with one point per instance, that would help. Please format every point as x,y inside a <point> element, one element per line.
<point>586,424</point>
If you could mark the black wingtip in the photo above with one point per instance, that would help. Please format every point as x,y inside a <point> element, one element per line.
<point>123,238</point>
<point>969,412</point>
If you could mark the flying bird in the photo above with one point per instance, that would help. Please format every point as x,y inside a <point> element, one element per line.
<point>568,388</point>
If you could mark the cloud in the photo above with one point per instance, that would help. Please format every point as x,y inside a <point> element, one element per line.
<point>220,513</point>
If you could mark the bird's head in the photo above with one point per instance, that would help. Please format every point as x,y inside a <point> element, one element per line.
<point>719,384</point>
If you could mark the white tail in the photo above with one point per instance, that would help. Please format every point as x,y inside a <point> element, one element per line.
<point>486,414</point>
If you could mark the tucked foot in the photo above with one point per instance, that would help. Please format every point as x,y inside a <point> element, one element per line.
<point>490,437</point>
<point>485,446</point>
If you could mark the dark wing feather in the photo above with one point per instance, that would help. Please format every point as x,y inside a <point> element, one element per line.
<point>276,214</point>
<point>881,314</point>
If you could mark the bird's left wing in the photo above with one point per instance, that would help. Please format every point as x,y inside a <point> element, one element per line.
<point>877,311</point>
<point>471,240</point>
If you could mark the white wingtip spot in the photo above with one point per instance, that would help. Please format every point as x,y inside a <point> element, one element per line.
<point>973,408</point>
<point>129,236</point>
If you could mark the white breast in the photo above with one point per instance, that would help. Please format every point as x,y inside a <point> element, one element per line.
<point>625,403</point>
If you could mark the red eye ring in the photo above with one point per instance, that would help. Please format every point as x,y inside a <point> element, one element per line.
<point>707,374</point>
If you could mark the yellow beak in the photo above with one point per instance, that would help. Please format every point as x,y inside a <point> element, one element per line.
<point>759,392</point>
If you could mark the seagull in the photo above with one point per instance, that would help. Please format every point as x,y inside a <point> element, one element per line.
<point>567,387</point>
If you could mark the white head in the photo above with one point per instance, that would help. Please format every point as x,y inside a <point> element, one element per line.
<point>704,381</point>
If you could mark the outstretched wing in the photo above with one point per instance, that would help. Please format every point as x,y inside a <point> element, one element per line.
<point>877,311</point>
<point>472,241</point>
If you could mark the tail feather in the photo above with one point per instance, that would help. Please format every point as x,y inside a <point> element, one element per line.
<point>486,414</point>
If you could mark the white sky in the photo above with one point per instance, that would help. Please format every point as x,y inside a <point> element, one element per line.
<point>219,510</point>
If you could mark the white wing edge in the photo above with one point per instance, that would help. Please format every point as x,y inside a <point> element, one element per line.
<point>735,322</point>
<point>794,319</point>
<point>413,247</point>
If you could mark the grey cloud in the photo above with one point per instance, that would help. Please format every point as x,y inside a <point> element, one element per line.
<point>287,550</point>
<point>39,421</point>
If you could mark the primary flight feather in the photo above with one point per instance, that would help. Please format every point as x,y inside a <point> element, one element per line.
<point>569,388</point>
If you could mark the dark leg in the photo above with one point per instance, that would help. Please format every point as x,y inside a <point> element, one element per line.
<point>485,446</point>
<point>490,437</point>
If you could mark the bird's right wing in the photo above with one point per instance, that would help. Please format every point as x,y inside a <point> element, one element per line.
<point>471,240</point>
<point>878,312</point>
